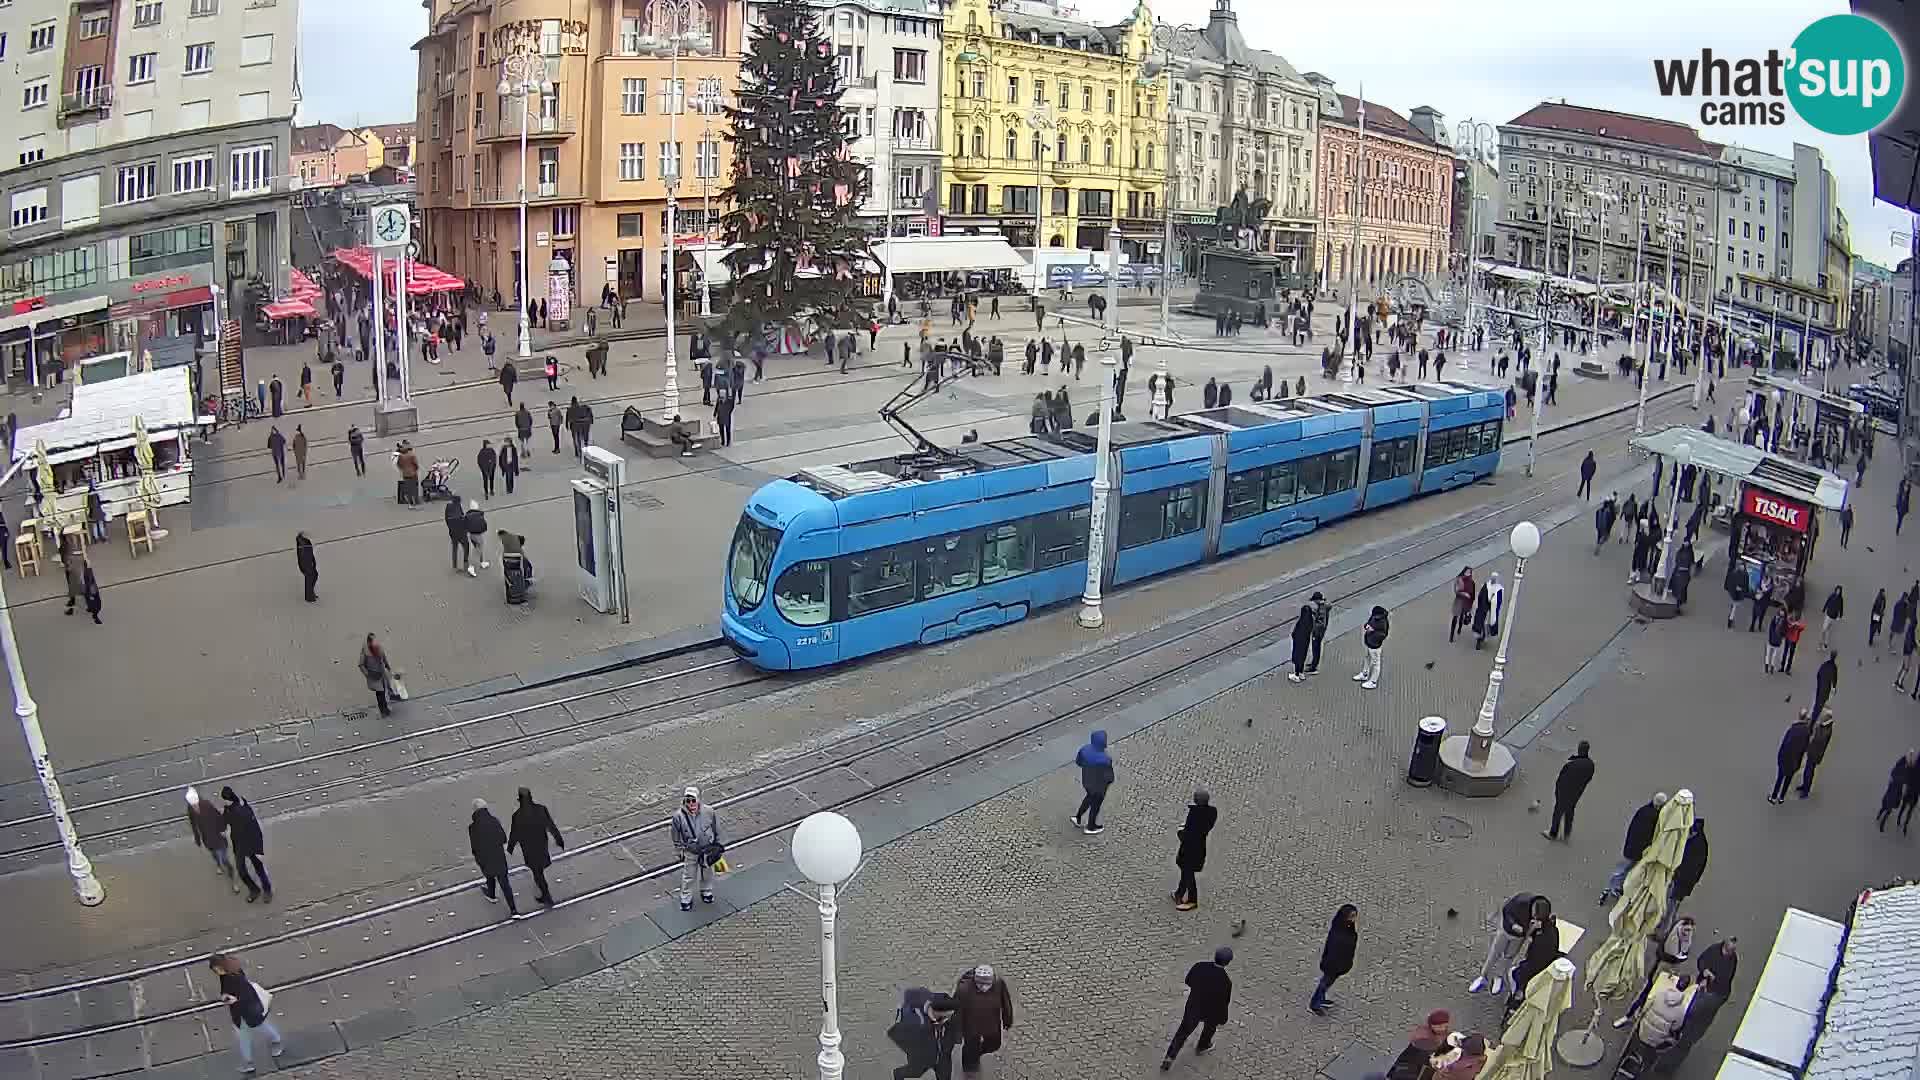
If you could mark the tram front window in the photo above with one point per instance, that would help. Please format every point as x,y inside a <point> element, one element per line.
<point>750,560</point>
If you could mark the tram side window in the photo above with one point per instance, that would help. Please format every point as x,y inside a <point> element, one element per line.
<point>1061,536</point>
<point>1457,444</point>
<point>1161,515</point>
<point>801,593</point>
<point>1186,510</point>
<point>1140,518</point>
<point>1244,494</point>
<point>1009,551</point>
<point>1490,441</point>
<point>1380,467</point>
<point>953,564</point>
<point>1312,473</point>
<point>880,579</point>
<point>1403,453</point>
<point>1280,485</point>
<point>1343,470</point>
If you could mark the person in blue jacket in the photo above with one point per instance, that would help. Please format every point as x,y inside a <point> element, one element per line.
<point>1096,776</point>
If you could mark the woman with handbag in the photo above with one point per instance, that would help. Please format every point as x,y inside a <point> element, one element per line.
<point>248,1004</point>
<point>381,678</point>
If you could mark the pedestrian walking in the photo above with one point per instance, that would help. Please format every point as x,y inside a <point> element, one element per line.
<point>1817,744</point>
<point>1588,467</point>
<point>523,429</point>
<point>1374,637</point>
<point>1336,956</point>
<point>1510,927</point>
<point>1898,779</point>
<point>508,377</point>
<point>487,460</point>
<point>1572,783</point>
<point>509,463</point>
<point>459,547</point>
<point>309,567</point>
<point>532,824</point>
<point>276,391</point>
<point>1322,612</point>
<point>488,842</point>
<point>1693,867</point>
<point>477,536</point>
<point>1735,583</point>
<point>249,844</point>
<point>1795,626</point>
<point>1208,1004</point>
<point>551,369</point>
<point>579,423</point>
<point>1603,518</point>
<point>696,836</point>
<point>299,452</point>
<point>1096,776</point>
<point>1831,612</point>
<point>1464,594</point>
<point>1302,642</point>
<point>1876,617</point>
<point>985,1008</point>
<point>1846,521</point>
<point>1826,678</point>
<point>248,1007</point>
<point>1492,603</point>
<point>339,373</point>
<point>209,828</point>
<point>357,447</point>
<point>1192,856</point>
<point>1906,654</point>
<point>925,1029</point>
<point>377,669</point>
<point>96,514</point>
<point>554,419</point>
<point>277,446</point>
<point>1776,641</point>
<point>306,383</point>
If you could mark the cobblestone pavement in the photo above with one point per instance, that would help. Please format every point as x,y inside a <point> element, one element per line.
<point>1314,813</point>
<point>346,849</point>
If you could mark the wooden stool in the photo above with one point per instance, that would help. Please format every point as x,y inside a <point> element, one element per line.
<point>79,534</point>
<point>139,531</point>
<point>26,553</point>
<point>30,529</point>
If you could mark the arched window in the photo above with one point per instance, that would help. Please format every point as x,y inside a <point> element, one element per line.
<point>1013,145</point>
<point>1107,152</point>
<point>1149,155</point>
<point>1086,150</point>
<point>979,143</point>
<point>1060,149</point>
<point>960,141</point>
<point>1038,146</point>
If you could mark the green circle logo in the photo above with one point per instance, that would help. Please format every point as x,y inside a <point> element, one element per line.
<point>1848,75</point>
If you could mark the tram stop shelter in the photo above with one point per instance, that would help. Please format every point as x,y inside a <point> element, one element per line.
<point>1773,518</point>
<point>1814,414</point>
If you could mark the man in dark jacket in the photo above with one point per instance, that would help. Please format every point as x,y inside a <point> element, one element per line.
<point>985,1008</point>
<point>477,537</point>
<point>489,844</point>
<point>487,461</point>
<point>1587,468</point>
<point>209,828</point>
<point>1516,920</point>
<point>1574,777</point>
<point>309,566</point>
<point>1096,776</point>
<point>532,824</point>
<point>1322,611</point>
<point>926,1030</point>
<point>1792,751</point>
<point>277,446</point>
<point>1192,856</point>
<point>249,843</point>
<point>1639,835</point>
<point>461,548</point>
<point>1825,679</point>
<point>1209,996</point>
<point>1693,866</point>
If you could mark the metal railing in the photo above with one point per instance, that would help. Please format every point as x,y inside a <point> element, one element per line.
<point>88,100</point>
<point>915,142</point>
<point>508,127</point>
<point>863,82</point>
<point>509,194</point>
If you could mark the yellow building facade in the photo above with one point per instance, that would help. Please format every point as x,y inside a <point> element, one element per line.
<point>1047,128</point>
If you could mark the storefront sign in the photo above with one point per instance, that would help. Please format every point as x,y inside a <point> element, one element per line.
<point>1775,509</point>
<point>171,282</point>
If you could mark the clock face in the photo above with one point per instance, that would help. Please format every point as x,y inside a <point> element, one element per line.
<point>391,226</point>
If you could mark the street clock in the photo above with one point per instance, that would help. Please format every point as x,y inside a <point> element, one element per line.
<point>392,225</point>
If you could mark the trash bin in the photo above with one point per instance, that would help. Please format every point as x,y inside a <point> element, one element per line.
<point>1426,751</point>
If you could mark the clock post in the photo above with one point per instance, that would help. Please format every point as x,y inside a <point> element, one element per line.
<point>390,231</point>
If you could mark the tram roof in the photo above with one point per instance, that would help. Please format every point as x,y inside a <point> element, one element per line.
<point>1813,393</point>
<point>1749,464</point>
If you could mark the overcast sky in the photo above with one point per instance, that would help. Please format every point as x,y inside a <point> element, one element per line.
<point>1489,60</point>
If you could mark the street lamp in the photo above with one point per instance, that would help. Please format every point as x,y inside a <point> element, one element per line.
<point>1091,617</point>
<point>1640,348</point>
<point>1682,454</point>
<point>1475,140</point>
<point>1173,40</point>
<point>522,74</point>
<point>827,849</point>
<point>1040,120</point>
<point>1349,353</point>
<point>708,101</point>
<point>1525,541</point>
<point>678,17</point>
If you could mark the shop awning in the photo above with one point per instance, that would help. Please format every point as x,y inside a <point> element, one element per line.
<point>1749,465</point>
<point>300,285</point>
<point>287,309</point>
<point>947,254</point>
<point>103,412</point>
<point>54,311</point>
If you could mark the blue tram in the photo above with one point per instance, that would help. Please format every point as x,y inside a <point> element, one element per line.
<point>841,562</point>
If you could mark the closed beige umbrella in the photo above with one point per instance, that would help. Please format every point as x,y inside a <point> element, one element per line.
<point>1526,1047</point>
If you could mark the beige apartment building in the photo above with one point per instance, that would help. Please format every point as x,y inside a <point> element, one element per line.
<point>608,123</point>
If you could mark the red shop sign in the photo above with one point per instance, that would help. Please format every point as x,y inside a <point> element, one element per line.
<point>151,284</point>
<point>1776,509</point>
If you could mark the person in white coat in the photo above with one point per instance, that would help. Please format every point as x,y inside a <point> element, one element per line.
<point>1488,609</point>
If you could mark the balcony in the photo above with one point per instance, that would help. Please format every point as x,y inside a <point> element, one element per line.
<point>563,191</point>
<point>98,99</point>
<point>915,144</point>
<point>443,85</point>
<point>545,129</point>
<point>862,82</point>
<point>912,204</point>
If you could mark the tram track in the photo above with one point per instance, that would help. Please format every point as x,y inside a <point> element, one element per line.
<point>1005,714</point>
<point>709,656</point>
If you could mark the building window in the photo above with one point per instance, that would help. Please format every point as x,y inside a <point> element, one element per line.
<point>1763,234</point>
<point>706,159</point>
<point>1149,155</point>
<point>140,68</point>
<point>1013,145</point>
<point>1039,91</point>
<point>1086,97</point>
<point>979,83</point>
<point>1107,152</point>
<point>1111,105</point>
<point>147,14</point>
<point>1086,150</point>
<point>566,220</point>
<point>34,94</point>
<point>633,97</point>
<point>95,26</point>
<point>193,173</point>
<point>1013,89</point>
<point>909,65</point>
<point>1066,94</point>
<point>29,208</point>
<point>199,58</point>
<point>136,183</point>
<point>628,226</point>
<point>33,148</point>
<point>40,38</point>
<point>256,49</point>
<point>669,161</point>
<point>979,143</point>
<point>251,169</point>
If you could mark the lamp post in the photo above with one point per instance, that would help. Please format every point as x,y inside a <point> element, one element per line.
<point>1525,541</point>
<point>1349,359</point>
<point>1682,454</point>
<point>677,15</point>
<point>1091,617</point>
<point>521,75</point>
<point>1475,140</point>
<point>709,101</point>
<point>1182,41</point>
<point>1041,121</point>
<point>827,850</point>
<point>1640,347</point>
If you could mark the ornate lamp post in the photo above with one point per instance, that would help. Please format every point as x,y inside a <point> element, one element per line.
<point>827,849</point>
<point>522,75</point>
<point>709,101</point>
<point>683,25</point>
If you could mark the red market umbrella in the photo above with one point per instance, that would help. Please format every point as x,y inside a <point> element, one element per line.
<point>301,285</point>
<point>287,308</point>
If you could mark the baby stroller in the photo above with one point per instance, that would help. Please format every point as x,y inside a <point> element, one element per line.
<point>517,570</point>
<point>435,484</point>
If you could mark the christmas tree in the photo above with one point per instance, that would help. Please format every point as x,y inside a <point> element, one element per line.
<point>795,187</point>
